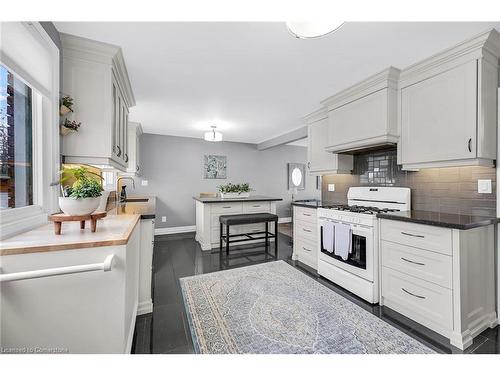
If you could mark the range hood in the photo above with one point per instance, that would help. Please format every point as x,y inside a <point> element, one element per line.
<point>364,116</point>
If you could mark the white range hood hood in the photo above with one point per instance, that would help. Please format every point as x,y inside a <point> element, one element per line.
<point>364,116</point>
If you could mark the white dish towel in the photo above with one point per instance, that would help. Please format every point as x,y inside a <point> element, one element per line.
<point>342,240</point>
<point>328,236</point>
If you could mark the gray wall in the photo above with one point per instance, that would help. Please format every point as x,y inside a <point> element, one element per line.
<point>173,167</point>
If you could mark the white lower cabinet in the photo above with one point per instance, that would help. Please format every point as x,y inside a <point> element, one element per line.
<point>305,236</point>
<point>145,304</point>
<point>442,278</point>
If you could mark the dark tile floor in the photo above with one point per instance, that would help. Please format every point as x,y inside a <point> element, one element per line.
<point>166,330</point>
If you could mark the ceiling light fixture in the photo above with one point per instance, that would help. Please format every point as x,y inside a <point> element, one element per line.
<point>308,30</point>
<point>213,136</point>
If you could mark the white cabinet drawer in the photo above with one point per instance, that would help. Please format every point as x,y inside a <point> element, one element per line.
<point>426,265</point>
<point>306,252</point>
<point>305,214</point>
<point>417,235</point>
<point>227,208</point>
<point>306,230</point>
<point>424,302</point>
<point>256,206</point>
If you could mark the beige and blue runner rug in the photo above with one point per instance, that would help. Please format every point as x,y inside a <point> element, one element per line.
<point>275,308</point>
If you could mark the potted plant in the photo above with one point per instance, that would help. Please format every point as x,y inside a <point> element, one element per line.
<point>83,196</point>
<point>69,126</point>
<point>66,105</point>
<point>234,190</point>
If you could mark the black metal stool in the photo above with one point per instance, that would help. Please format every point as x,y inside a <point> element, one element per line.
<point>241,219</point>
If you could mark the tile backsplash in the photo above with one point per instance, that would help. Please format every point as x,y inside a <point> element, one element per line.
<point>450,190</point>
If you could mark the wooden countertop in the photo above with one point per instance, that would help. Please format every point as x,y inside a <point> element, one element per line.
<point>111,231</point>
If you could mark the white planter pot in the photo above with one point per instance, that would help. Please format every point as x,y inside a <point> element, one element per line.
<point>80,206</point>
<point>234,195</point>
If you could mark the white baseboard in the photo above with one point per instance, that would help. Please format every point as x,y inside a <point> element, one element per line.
<point>282,220</point>
<point>145,307</point>
<point>173,230</point>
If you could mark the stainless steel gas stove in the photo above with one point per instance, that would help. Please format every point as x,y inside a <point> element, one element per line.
<point>356,269</point>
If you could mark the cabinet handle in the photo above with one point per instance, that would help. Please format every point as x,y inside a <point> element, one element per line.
<point>226,207</point>
<point>306,249</point>
<point>126,158</point>
<point>137,168</point>
<point>119,151</point>
<point>308,165</point>
<point>306,230</point>
<point>413,235</point>
<point>412,261</point>
<point>256,205</point>
<point>469,144</point>
<point>411,294</point>
<point>306,214</point>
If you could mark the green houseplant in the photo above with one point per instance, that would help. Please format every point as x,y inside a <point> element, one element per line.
<point>230,190</point>
<point>82,197</point>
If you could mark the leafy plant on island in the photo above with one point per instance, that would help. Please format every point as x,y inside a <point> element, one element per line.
<point>234,188</point>
<point>87,184</point>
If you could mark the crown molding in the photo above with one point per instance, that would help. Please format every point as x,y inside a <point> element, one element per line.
<point>317,115</point>
<point>485,45</point>
<point>103,53</point>
<point>388,78</point>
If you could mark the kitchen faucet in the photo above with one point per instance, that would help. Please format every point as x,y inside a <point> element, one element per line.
<point>118,185</point>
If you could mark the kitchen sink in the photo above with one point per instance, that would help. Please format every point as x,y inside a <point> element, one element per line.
<point>137,200</point>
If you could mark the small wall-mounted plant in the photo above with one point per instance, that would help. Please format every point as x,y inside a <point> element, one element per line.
<point>230,190</point>
<point>69,126</point>
<point>66,105</point>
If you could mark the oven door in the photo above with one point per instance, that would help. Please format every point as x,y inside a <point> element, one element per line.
<point>360,260</point>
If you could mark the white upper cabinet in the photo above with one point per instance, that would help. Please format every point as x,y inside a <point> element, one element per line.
<point>134,135</point>
<point>448,106</point>
<point>95,76</point>
<point>364,115</point>
<point>319,160</point>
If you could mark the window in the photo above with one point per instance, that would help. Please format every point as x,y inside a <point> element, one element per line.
<point>16,142</point>
<point>29,127</point>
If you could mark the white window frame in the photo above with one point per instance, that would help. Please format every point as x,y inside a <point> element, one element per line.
<point>46,157</point>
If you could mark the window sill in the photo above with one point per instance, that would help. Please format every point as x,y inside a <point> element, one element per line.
<point>19,220</point>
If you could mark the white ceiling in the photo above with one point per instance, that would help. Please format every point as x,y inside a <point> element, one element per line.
<point>254,80</point>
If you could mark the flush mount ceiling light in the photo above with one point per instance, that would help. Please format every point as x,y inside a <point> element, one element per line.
<point>213,136</point>
<point>307,30</point>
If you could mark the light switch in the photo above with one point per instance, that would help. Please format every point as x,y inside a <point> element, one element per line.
<point>331,187</point>
<point>484,186</point>
<point>144,182</point>
<point>163,219</point>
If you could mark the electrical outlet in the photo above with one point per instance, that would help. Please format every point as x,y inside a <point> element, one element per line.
<point>331,187</point>
<point>144,182</point>
<point>163,219</point>
<point>484,186</point>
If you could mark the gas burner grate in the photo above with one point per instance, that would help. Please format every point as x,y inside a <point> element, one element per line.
<point>362,209</point>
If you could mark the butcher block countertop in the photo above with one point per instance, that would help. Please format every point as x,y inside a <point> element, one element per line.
<point>111,231</point>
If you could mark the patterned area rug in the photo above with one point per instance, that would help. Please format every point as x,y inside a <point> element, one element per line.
<point>275,308</point>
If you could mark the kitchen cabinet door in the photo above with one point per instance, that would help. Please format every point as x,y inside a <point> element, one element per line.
<point>439,117</point>
<point>321,161</point>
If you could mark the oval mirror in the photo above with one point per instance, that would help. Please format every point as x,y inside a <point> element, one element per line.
<point>296,177</point>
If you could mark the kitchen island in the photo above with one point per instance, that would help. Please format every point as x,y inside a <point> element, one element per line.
<point>208,211</point>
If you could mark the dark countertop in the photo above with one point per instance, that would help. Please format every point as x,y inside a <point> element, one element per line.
<point>145,209</point>
<point>440,219</point>
<point>253,198</point>
<point>313,203</point>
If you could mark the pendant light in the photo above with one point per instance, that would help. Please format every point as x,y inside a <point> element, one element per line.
<point>213,136</point>
<point>308,30</point>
